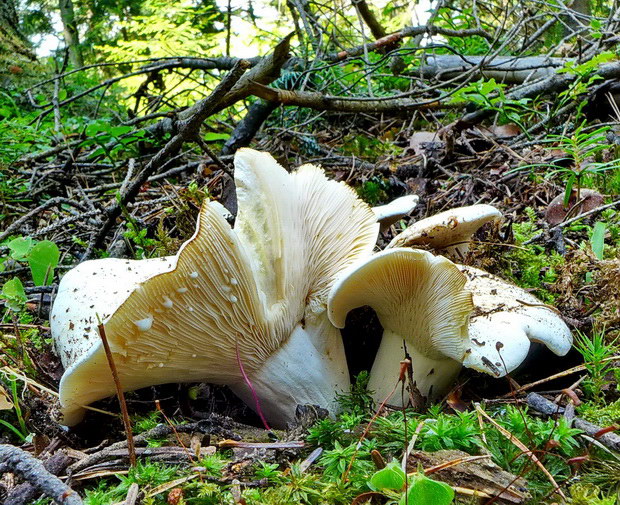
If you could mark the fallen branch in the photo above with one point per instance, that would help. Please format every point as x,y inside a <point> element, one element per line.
<point>318,101</point>
<point>29,468</point>
<point>214,425</point>
<point>27,492</point>
<point>409,31</point>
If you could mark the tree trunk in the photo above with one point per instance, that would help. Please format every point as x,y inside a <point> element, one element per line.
<point>70,32</point>
<point>12,42</point>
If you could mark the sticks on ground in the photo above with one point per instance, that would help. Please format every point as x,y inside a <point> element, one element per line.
<point>29,468</point>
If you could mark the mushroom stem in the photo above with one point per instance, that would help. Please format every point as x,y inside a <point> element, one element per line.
<point>432,377</point>
<point>301,372</point>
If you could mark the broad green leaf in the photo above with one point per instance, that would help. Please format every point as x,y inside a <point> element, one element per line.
<point>390,477</point>
<point>20,247</point>
<point>117,131</point>
<point>14,294</point>
<point>42,259</point>
<point>597,241</point>
<point>212,136</point>
<point>425,491</point>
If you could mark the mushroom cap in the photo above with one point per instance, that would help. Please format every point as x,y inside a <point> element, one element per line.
<point>390,213</point>
<point>450,230</point>
<point>588,199</point>
<point>226,292</point>
<point>416,295</point>
<point>506,319</point>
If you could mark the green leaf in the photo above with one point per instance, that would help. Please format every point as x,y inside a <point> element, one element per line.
<point>597,240</point>
<point>390,477</point>
<point>425,491</point>
<point>569,189</point>
<point>14,294</point>
<point>20,247</point>
<point>212,136</point>
<point>117,131</point>
<point>42,259</point>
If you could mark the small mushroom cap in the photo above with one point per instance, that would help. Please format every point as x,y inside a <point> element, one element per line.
<point>390,213</point>
<point>227,296</point>
<point>505,321</point>
<point>450,230</point>
<point>416,295</point>
<point>588,199</point>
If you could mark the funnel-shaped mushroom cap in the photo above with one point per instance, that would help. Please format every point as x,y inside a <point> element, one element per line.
<point>450,231</point>
<point>424,309</point>
<point>254,297</point>
<point>505,321</point>
<point>388,214</point>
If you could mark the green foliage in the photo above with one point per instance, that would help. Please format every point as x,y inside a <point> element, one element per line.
<point>13,294</point>
<point>459,431</point>
<point>213,465</point>
<point>425,491</point>
<point>358,400</point>
<point>602,415</point>
<point>42,260</point>
<point>489,95</point>
<point>597,239</point>
<point>18,427</point>
<point>595,351</point>
<point>531,266</point>
<point>373,190</point>
<point>146,422</point>
<point>42,257</point>
<point>420,489</point>
<point>587,494</point>
<point>112,140</point>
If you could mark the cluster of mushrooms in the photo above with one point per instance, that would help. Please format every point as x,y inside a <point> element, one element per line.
<point>258,306</point>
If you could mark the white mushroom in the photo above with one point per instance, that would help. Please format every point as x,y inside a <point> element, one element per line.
<point>425,305</point>
<point>390,213</point>
<point>252,298</point>
<point>505,320</point>
<point>424,310</point>
<point>448,231</point>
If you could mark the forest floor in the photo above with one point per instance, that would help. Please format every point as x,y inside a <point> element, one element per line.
<point>491,439</point>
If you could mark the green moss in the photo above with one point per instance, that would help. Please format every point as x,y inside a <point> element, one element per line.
<point>531,266</point>
<point>600,415</point>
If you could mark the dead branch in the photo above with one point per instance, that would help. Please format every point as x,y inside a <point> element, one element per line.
<point>370,19</point>
<point>27,492</point>
<point>214,425</point>
<point>188,129</point>
<point>29,468</point>
<point>321,102</point>
<point>409,31</point>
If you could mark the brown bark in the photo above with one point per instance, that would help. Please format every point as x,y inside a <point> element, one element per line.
<point>369,18</point>
<point>70,32</point>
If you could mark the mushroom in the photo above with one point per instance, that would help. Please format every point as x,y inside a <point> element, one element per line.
<point>506,319</point>
<point>427,310</point>
<point>450,230</point>
<point>579,202</point>
<point>239,307</point>
<point>424,309</point>
<point>388,214</point>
